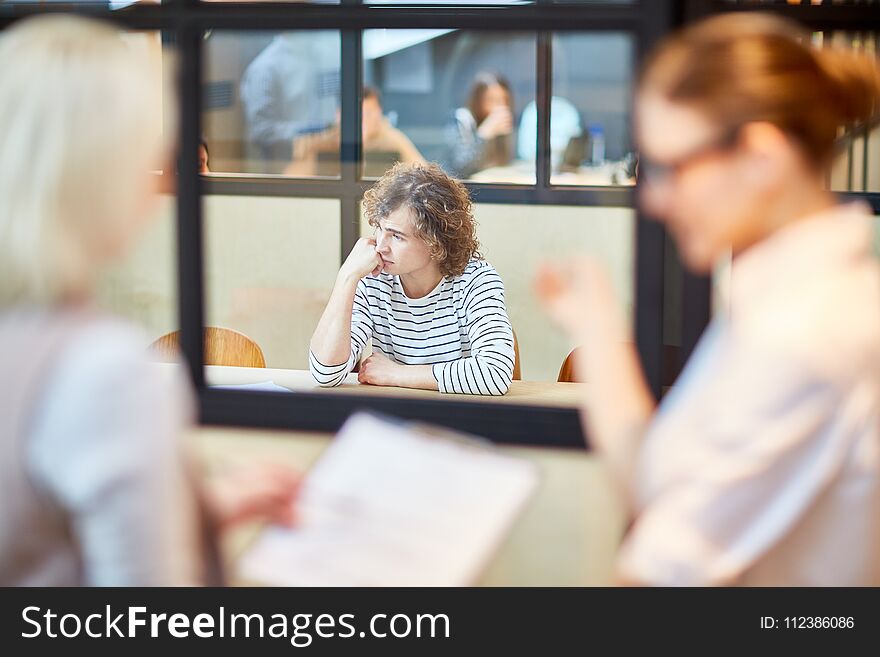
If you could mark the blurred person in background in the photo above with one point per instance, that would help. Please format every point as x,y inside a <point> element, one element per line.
<point>203,157</point>
<point>480,135</point>
<point>96,484</point>
<point>379,137</point>
<point>382,137</point>
<point>762,465</point>
<point>290,90</point>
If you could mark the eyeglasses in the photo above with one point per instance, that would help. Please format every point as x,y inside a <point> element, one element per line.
<point>654,172</point>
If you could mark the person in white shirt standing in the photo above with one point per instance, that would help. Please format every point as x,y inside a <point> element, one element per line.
<point>762,465</point>
<point>421,291</point>
<point>290,91</point>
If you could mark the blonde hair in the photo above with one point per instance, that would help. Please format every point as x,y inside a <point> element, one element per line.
<point>81,130</point>
<point>739,68</point>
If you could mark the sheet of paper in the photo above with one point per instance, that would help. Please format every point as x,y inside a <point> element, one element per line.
<point>391,504</point>
<point>262,386</point>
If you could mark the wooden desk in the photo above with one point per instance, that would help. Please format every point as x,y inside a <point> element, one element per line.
<point>540,393</point>
<point>567,536</point>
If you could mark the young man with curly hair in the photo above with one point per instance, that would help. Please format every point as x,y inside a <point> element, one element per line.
<point>421,290</point>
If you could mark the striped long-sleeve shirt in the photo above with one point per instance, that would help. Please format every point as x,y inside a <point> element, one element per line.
<point>461,328</point>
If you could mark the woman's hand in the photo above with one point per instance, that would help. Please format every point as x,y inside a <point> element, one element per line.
<point>379,370</point>
<point>578,295</point>
<point>262,491</point>
<point>363,260</point>
<point>499,122</point>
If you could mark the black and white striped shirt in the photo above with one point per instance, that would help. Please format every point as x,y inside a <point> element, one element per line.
<point>461,328</point>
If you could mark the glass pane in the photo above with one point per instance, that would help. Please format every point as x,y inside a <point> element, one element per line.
<point>453,97</point>
<point>857,165</point>
<point>590,137</point>
<point>511,244</point>
<point>270,264</point>
<point>271,102</point>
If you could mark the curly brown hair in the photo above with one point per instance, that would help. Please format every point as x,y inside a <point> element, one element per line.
<point>441,210</point>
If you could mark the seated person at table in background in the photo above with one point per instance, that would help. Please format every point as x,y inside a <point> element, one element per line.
<point>480,135</point>
<point>421,290</point>
<point>95,479</point>
<point>380,137</point>
<point>762,465</point>
<point>203,157</point>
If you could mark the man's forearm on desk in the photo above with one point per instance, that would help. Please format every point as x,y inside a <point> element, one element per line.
<point>379,370</point>
<point>418,376</point>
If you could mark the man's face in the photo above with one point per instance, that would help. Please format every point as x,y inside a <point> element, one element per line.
<point>371,117</point>
<point>203,160</point>
<point>402,250</point>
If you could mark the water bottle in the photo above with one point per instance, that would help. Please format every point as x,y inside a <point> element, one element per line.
<point>597,142</point>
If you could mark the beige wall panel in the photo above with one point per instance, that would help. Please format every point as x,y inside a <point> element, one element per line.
<point>271,264</point>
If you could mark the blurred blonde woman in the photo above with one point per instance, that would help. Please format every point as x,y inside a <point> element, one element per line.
<point>95,484</point>
<point>762,465</point>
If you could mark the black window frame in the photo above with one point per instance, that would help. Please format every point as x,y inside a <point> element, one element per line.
<point>647,20</point>
<point>505,423</point>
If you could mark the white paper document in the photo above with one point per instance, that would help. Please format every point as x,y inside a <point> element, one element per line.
<point>394,504</point>
<point>262,386</point>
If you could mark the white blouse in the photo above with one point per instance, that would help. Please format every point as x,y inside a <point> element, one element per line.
<point>107,446</point>
<point>762,465</point>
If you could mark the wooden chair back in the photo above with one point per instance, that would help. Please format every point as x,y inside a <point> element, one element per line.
<point>223,346</point>
<point>567,372</point>
<point>517,369</point>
